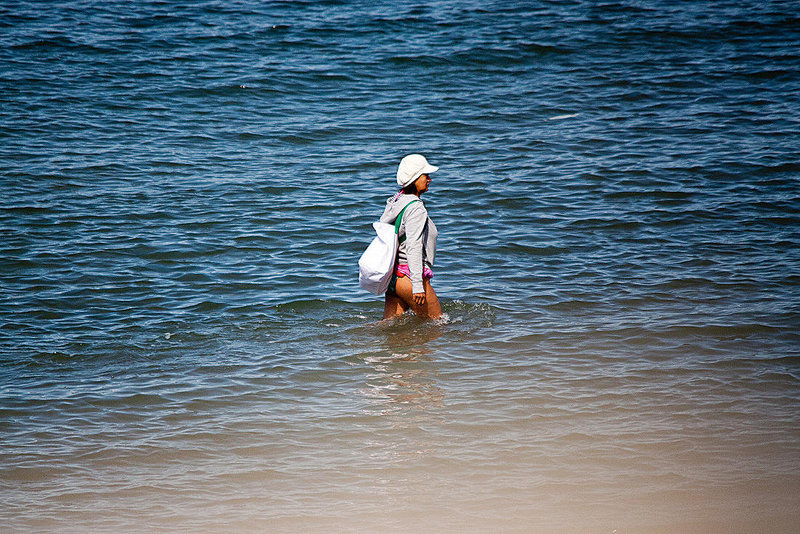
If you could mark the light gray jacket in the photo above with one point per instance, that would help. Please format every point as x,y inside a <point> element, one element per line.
<point>419,248</point>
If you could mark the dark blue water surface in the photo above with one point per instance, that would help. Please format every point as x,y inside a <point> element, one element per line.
<point>185,190</point>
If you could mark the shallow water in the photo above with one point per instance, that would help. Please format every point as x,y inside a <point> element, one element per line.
<point>185,193</point>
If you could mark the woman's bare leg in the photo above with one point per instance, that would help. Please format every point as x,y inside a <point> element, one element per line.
<point>393,306</point>
<point>431,308</point>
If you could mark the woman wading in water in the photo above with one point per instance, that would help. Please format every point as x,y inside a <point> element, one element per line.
<point>410,286</point>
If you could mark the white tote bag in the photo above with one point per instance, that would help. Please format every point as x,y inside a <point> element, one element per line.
<point>377,262</point>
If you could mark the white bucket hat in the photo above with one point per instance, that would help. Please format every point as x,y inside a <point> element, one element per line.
<point>412,167</point>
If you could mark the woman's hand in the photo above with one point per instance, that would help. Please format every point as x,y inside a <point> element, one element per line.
<point>419,298</point>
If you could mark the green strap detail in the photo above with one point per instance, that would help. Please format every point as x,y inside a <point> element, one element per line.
<point>400,219</point>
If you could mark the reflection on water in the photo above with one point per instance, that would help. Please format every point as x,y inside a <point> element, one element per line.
<point>403,373</point>
<point>406,379</point>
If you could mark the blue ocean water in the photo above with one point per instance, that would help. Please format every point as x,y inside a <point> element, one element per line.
<point>186,189</point>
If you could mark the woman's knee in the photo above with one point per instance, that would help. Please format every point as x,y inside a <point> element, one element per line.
<point>393,305</point>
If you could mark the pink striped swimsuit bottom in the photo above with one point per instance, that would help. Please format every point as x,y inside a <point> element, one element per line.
<point>403,270</point>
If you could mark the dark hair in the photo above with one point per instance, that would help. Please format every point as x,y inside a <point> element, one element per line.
<point>410,189</point>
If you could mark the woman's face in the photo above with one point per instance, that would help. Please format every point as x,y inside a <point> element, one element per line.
<point>422,183</point>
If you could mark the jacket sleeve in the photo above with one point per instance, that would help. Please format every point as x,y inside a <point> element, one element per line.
<point>415,218</point>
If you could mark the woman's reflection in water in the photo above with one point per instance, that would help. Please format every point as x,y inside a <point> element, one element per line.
<point>403,374</point>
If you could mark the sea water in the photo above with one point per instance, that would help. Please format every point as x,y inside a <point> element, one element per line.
<point>185,190</point>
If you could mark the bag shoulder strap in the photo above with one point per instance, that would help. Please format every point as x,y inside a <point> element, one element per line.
<point>400,219</point>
